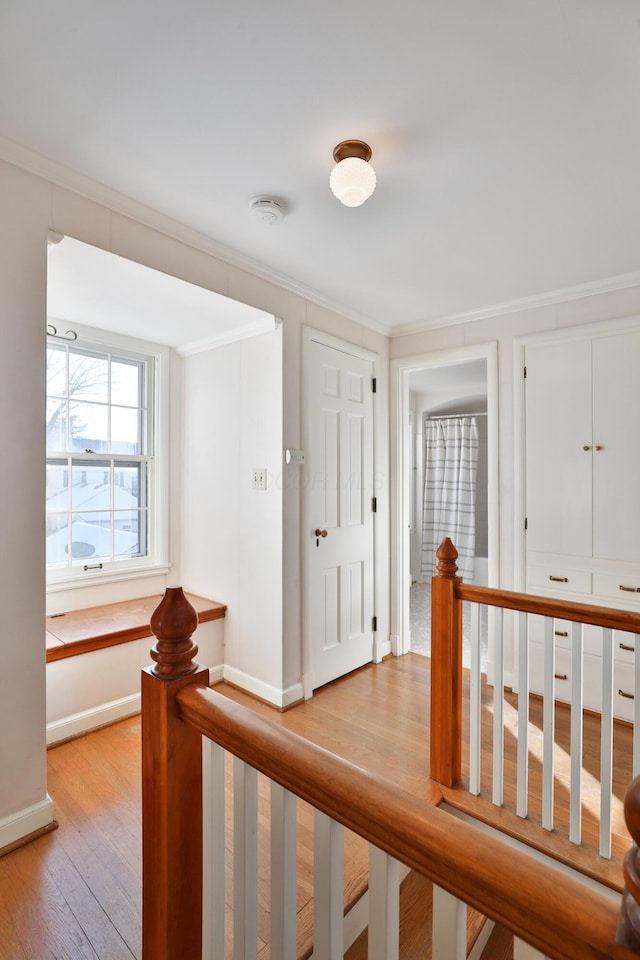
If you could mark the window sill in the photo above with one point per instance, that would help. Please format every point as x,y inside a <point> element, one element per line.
<point>102,577</point>
<point>95,628</point>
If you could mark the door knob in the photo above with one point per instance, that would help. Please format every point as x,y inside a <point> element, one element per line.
<point>320,533</point>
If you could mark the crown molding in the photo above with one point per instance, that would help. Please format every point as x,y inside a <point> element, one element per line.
<point>590,289</point>
<point>62,176</point>
<point>264,325</point>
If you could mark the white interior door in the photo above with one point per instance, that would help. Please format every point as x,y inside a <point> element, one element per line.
<point>339,512</point>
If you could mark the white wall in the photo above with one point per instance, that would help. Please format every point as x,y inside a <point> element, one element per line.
<point>231,542</point>
<point>23,265</point>
<point>30,205</point>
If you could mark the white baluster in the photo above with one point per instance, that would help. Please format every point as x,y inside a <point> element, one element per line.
<point>283,873</point>
<point>498,711</point>
<point>548,723</point>
<point>449,928</point>
<point>606,743</point>
<point>522,799</point>
<point>575,790</point>
<point>213,843</point>
<point>475,728</point>
<point>384,906</point>
<point>328,889</point>
<point>524,951</point>
<point>245,861</point>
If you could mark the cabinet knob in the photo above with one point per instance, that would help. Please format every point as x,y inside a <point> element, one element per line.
<point>586,447</point>
<point>598,447</point>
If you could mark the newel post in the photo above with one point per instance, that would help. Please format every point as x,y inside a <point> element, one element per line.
<point>171,790</point>
<point>628,932</point>
<point>446,669</point>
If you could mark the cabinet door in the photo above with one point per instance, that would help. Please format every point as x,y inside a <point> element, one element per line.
<point>616,429</point>
<point>558,468</point>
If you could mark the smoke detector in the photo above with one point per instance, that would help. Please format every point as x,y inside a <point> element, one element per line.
<point>267,209</point>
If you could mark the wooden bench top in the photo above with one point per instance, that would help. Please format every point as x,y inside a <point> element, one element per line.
<point>81,631</point>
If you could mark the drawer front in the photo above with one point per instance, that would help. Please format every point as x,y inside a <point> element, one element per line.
<point>624,646</point>
<point>562,671</point>
<point>563,635</point>
<point>558,579</point>
<point>623,687</point>
<point>624,691</point>
<point>623,681</point>
<point>621,587</point>
<point>561,631</point>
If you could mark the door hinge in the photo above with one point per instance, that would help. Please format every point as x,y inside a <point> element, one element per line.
<point>374,385</point>
<point>525,373</point>
<point>374,624</point>
<point>526,523</point>
<point>374,504</point>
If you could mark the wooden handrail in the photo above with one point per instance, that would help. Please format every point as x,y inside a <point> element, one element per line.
<point>555,913</point>
<point>548,607</point>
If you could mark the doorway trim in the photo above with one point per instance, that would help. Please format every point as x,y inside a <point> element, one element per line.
<point>312,335</point>
<point>401,367</point>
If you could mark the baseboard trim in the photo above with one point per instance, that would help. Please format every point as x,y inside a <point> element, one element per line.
<point>30,820</point>
<point>264,691</point>
<point>382,649</point>
<point>78,723</point>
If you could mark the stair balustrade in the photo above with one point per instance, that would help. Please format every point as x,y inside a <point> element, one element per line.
<point>550,914</point>
<point>449,593</point>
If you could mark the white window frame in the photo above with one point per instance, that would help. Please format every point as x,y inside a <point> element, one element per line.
<point>157,562</point>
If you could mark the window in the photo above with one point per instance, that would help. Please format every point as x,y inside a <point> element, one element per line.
<point>100,460</point>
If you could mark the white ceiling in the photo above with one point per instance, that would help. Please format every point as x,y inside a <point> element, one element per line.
<point>505,135</point>
<point>94,288</point>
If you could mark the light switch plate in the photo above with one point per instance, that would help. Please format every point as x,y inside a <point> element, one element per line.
<point>259,478</point>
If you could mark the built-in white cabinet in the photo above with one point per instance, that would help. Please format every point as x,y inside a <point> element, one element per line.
<point>582,484</point>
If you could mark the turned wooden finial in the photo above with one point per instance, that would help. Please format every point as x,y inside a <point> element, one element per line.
<point>447,556</point>
<point>172,623</point>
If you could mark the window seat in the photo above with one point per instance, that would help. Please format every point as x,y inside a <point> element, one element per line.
<point>81,631</point>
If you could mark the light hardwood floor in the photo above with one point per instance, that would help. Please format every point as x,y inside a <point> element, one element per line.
<point>75,893</point>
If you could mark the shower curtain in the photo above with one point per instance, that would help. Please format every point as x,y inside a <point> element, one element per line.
<point>450,466</point>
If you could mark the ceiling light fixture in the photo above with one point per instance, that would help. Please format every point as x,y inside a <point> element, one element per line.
<point>353,179</point>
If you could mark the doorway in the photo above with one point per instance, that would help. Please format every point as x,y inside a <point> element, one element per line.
<point>444,384</point>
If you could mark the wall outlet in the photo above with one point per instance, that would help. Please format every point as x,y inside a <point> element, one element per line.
<point>259,478</point>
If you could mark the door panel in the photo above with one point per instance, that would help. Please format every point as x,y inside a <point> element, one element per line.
<point>616,451</point>
<point>338,492</point>
<point>559,455</point>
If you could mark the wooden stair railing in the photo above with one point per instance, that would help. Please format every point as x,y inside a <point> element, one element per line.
<point>543,907</point>
<point>449,593</point>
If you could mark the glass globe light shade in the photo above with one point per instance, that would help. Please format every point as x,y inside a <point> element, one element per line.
<point>352,181</point>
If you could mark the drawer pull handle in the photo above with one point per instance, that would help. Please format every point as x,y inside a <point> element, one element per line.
<point>627,646</point>
<point>561,633</point>
<point>629,589</point>
<point>560,676</point>
<point>562,580</point>
<point>627,696</point>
